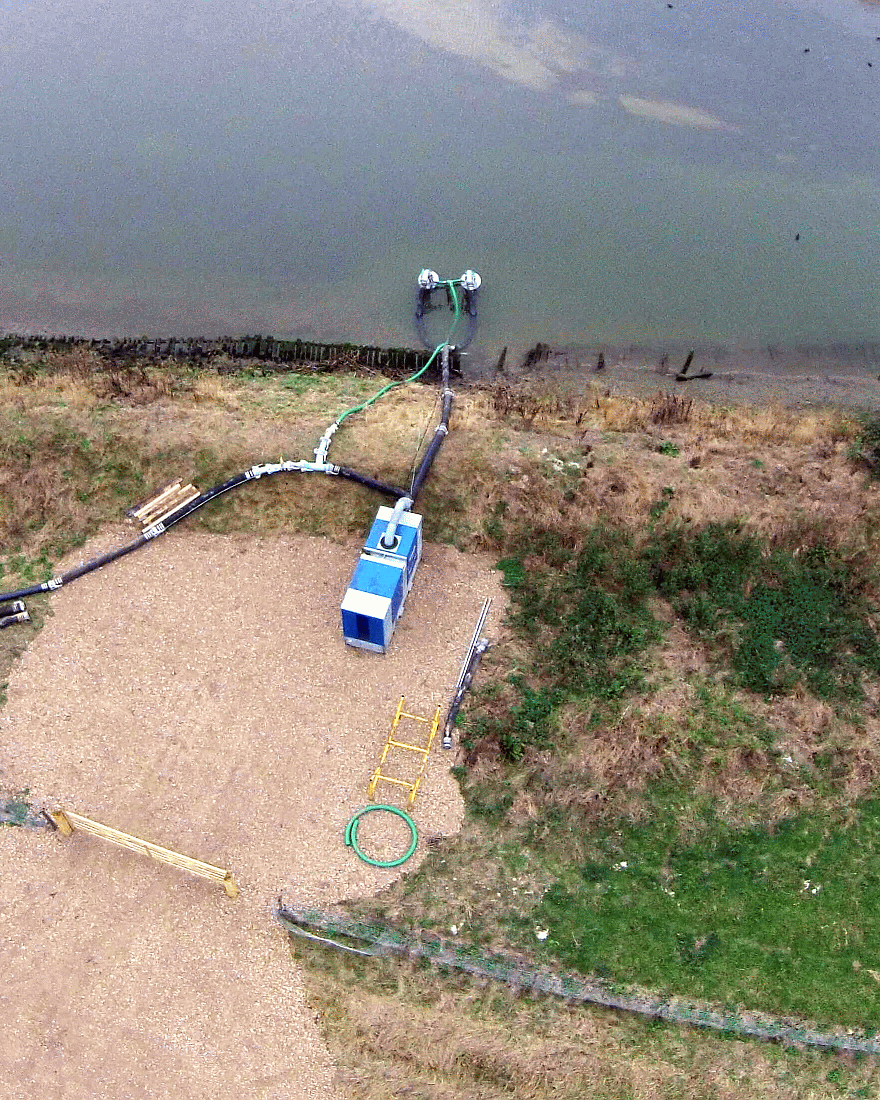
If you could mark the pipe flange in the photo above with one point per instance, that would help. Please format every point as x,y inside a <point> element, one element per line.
<point>471,280</point>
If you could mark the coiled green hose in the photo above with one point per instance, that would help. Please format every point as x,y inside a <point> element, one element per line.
<point>351,836</point>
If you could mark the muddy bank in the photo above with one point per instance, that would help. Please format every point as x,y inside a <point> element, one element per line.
<point>844,377</point>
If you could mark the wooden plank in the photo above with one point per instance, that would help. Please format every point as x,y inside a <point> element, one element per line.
<point>161,494</point>
<point>67,821</point>
<point>185,495</point>
<point>63,825</point>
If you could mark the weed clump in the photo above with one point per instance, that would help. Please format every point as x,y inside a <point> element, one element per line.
<point>866,448</point>
<point>780,616</point>
<point>585,615</point>
<point>584,610</point>
<point>588,607</point>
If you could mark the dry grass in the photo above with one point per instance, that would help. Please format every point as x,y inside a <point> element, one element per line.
<point>553,458</point>
<point>757,760</point>
<point>75,457</point>
<point>776,470</point>
<point>599,409</point>
<point>396,1031</point>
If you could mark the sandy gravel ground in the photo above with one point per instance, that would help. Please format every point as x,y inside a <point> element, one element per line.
<point>198,693</point>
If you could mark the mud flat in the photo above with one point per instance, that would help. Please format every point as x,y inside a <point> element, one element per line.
<point>846,377</point>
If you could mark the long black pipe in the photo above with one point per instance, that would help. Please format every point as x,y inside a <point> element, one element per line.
<point>440,433</point>
<point>160,528</point>
<point>136,544</point>
<point>239,479</point>
<point>95,563</point>
<point>372,483</point>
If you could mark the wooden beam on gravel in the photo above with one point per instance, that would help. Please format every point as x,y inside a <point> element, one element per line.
<point>67,822</point>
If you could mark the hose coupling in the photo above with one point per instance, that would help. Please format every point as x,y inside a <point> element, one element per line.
<point>18,617</point>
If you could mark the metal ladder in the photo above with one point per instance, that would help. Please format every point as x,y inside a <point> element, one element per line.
<point>393,743</point>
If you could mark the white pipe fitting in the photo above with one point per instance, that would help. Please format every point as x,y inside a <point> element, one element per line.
<point>386,542</point>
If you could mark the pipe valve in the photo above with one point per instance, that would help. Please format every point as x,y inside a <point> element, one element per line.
<point>471,280</point>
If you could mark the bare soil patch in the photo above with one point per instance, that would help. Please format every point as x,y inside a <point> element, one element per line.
<point>199,694</point>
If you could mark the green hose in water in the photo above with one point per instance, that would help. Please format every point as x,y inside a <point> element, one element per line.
<point>421,371</point>
<point>351,836</point>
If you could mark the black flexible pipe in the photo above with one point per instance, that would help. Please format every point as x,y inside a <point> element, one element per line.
<point>17,617</point>
<point>175,517</point>
<point>440,433</point>
<point>372,483</point>
<point>427,461</point>
<point>104,559</point>
<point>34,591</point>
<point>208,495</point>
<point>150,533</point>
<point>470,299</point>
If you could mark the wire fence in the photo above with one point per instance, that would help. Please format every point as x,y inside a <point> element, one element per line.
<point>374,939</point>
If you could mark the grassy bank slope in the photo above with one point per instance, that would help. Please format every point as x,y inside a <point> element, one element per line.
<point>671,758</point>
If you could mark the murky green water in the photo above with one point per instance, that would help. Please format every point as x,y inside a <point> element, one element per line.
<point>616,172</point>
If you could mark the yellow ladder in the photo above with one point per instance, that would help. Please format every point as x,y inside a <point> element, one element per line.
<point>393,743</point>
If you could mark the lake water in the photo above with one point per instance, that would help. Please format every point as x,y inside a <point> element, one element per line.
<point>616,172</point>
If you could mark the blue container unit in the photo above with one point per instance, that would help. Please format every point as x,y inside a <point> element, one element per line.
<point>381,582</point>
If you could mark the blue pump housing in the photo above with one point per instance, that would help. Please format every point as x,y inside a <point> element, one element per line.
<point>381,582</point>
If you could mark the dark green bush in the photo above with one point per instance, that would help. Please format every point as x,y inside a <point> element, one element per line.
<point>866,448</point>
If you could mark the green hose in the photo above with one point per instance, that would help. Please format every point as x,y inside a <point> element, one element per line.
<point>421,371</point>
<point>351,836</point>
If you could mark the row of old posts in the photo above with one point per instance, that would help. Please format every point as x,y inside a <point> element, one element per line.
<point>267,349</point>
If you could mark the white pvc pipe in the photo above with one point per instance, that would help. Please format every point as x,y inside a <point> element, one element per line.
<point>387,540</point>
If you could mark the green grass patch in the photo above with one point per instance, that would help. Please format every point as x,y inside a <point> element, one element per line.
<point>645,880</point>
<point>786,920</point>
<point>780,617</point>
<point>23,570</point>
<point>15,810</point>
<point>775,619</point>
<point>866,448</point>
<point>588,609</point>
<point>585,612</point>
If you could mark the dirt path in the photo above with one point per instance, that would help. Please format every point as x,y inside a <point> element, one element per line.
<point>199,694</point>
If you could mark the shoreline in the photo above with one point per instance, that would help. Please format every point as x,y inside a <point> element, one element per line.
<point>844,377</point>
<point>836,375</point>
